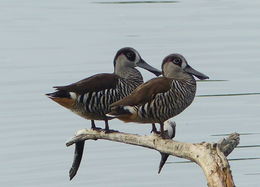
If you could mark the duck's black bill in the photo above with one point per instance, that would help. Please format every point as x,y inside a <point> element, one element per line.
<point>144,65</point>
<point>194,72</point>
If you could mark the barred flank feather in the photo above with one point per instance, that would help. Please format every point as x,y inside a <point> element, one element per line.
<point>169,104</point>
<point>163,106</point>
<point>99,102</point>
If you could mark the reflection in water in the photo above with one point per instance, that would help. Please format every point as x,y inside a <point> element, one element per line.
<point>247,146</point>
<point>134,2</point>
<point>239,159</point>
<point>211,80</point>
<point>252,174</point>
<point>235,94</point>
<point>48,42</point>
<point>231,159</point>
<point>243,134</point>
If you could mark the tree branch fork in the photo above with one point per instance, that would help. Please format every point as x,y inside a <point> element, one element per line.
<point>211,157</point>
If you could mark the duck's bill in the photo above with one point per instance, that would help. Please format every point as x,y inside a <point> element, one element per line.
<point>194,72</point>
<point>144,65</point>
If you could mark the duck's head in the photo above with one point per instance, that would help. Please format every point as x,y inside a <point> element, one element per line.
<point>128,57</point>
<point>175,66</point>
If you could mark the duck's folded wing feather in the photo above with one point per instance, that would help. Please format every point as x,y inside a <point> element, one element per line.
<point>145,92</point>
<point>94,83</point>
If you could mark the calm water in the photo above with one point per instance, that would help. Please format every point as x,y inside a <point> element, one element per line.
<point>55,42</point>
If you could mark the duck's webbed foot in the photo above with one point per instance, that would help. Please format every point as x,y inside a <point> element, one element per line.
<point>93,126</point>
<point>107,130</point>
<point>163,134</point>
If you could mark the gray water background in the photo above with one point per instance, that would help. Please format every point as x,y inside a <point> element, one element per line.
<point>57,42</point>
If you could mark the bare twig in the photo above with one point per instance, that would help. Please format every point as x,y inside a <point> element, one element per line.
<point>209,156</point>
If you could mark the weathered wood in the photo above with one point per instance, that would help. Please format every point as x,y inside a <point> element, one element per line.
<point>211,157</point>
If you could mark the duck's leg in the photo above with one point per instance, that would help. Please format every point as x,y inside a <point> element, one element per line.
<point>93,126</point>
<point>154,129</point>
<point>106,126</point>
<point>162,134</point>
<point>107,130</point>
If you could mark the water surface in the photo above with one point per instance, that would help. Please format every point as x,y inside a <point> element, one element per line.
<point>54,42</point>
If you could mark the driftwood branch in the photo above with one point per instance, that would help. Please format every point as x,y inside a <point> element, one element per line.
<point>211,157</point>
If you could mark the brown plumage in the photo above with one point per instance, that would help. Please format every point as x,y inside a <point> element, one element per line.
<point>160,98</point>
<point>94,83</point>
<point>65,102</point>
<point>91,84</point>
<point>145,92</point>
<point>91,97</point>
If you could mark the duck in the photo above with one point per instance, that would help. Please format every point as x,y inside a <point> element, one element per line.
<point>91,97</point>
<point>161,98</point>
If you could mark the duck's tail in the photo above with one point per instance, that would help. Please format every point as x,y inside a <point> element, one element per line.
<point>64,98</point>
<point>125,113</point>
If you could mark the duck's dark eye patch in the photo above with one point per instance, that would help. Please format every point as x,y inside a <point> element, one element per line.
<point>130,55</point>
<point>177,61</point>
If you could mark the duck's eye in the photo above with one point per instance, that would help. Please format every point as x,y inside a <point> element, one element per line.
<point>130,56</point>
<point>177,61</point>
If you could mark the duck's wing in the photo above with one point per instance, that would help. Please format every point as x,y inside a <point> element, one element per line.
<point>94,83</point>
<point>145,92</point>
